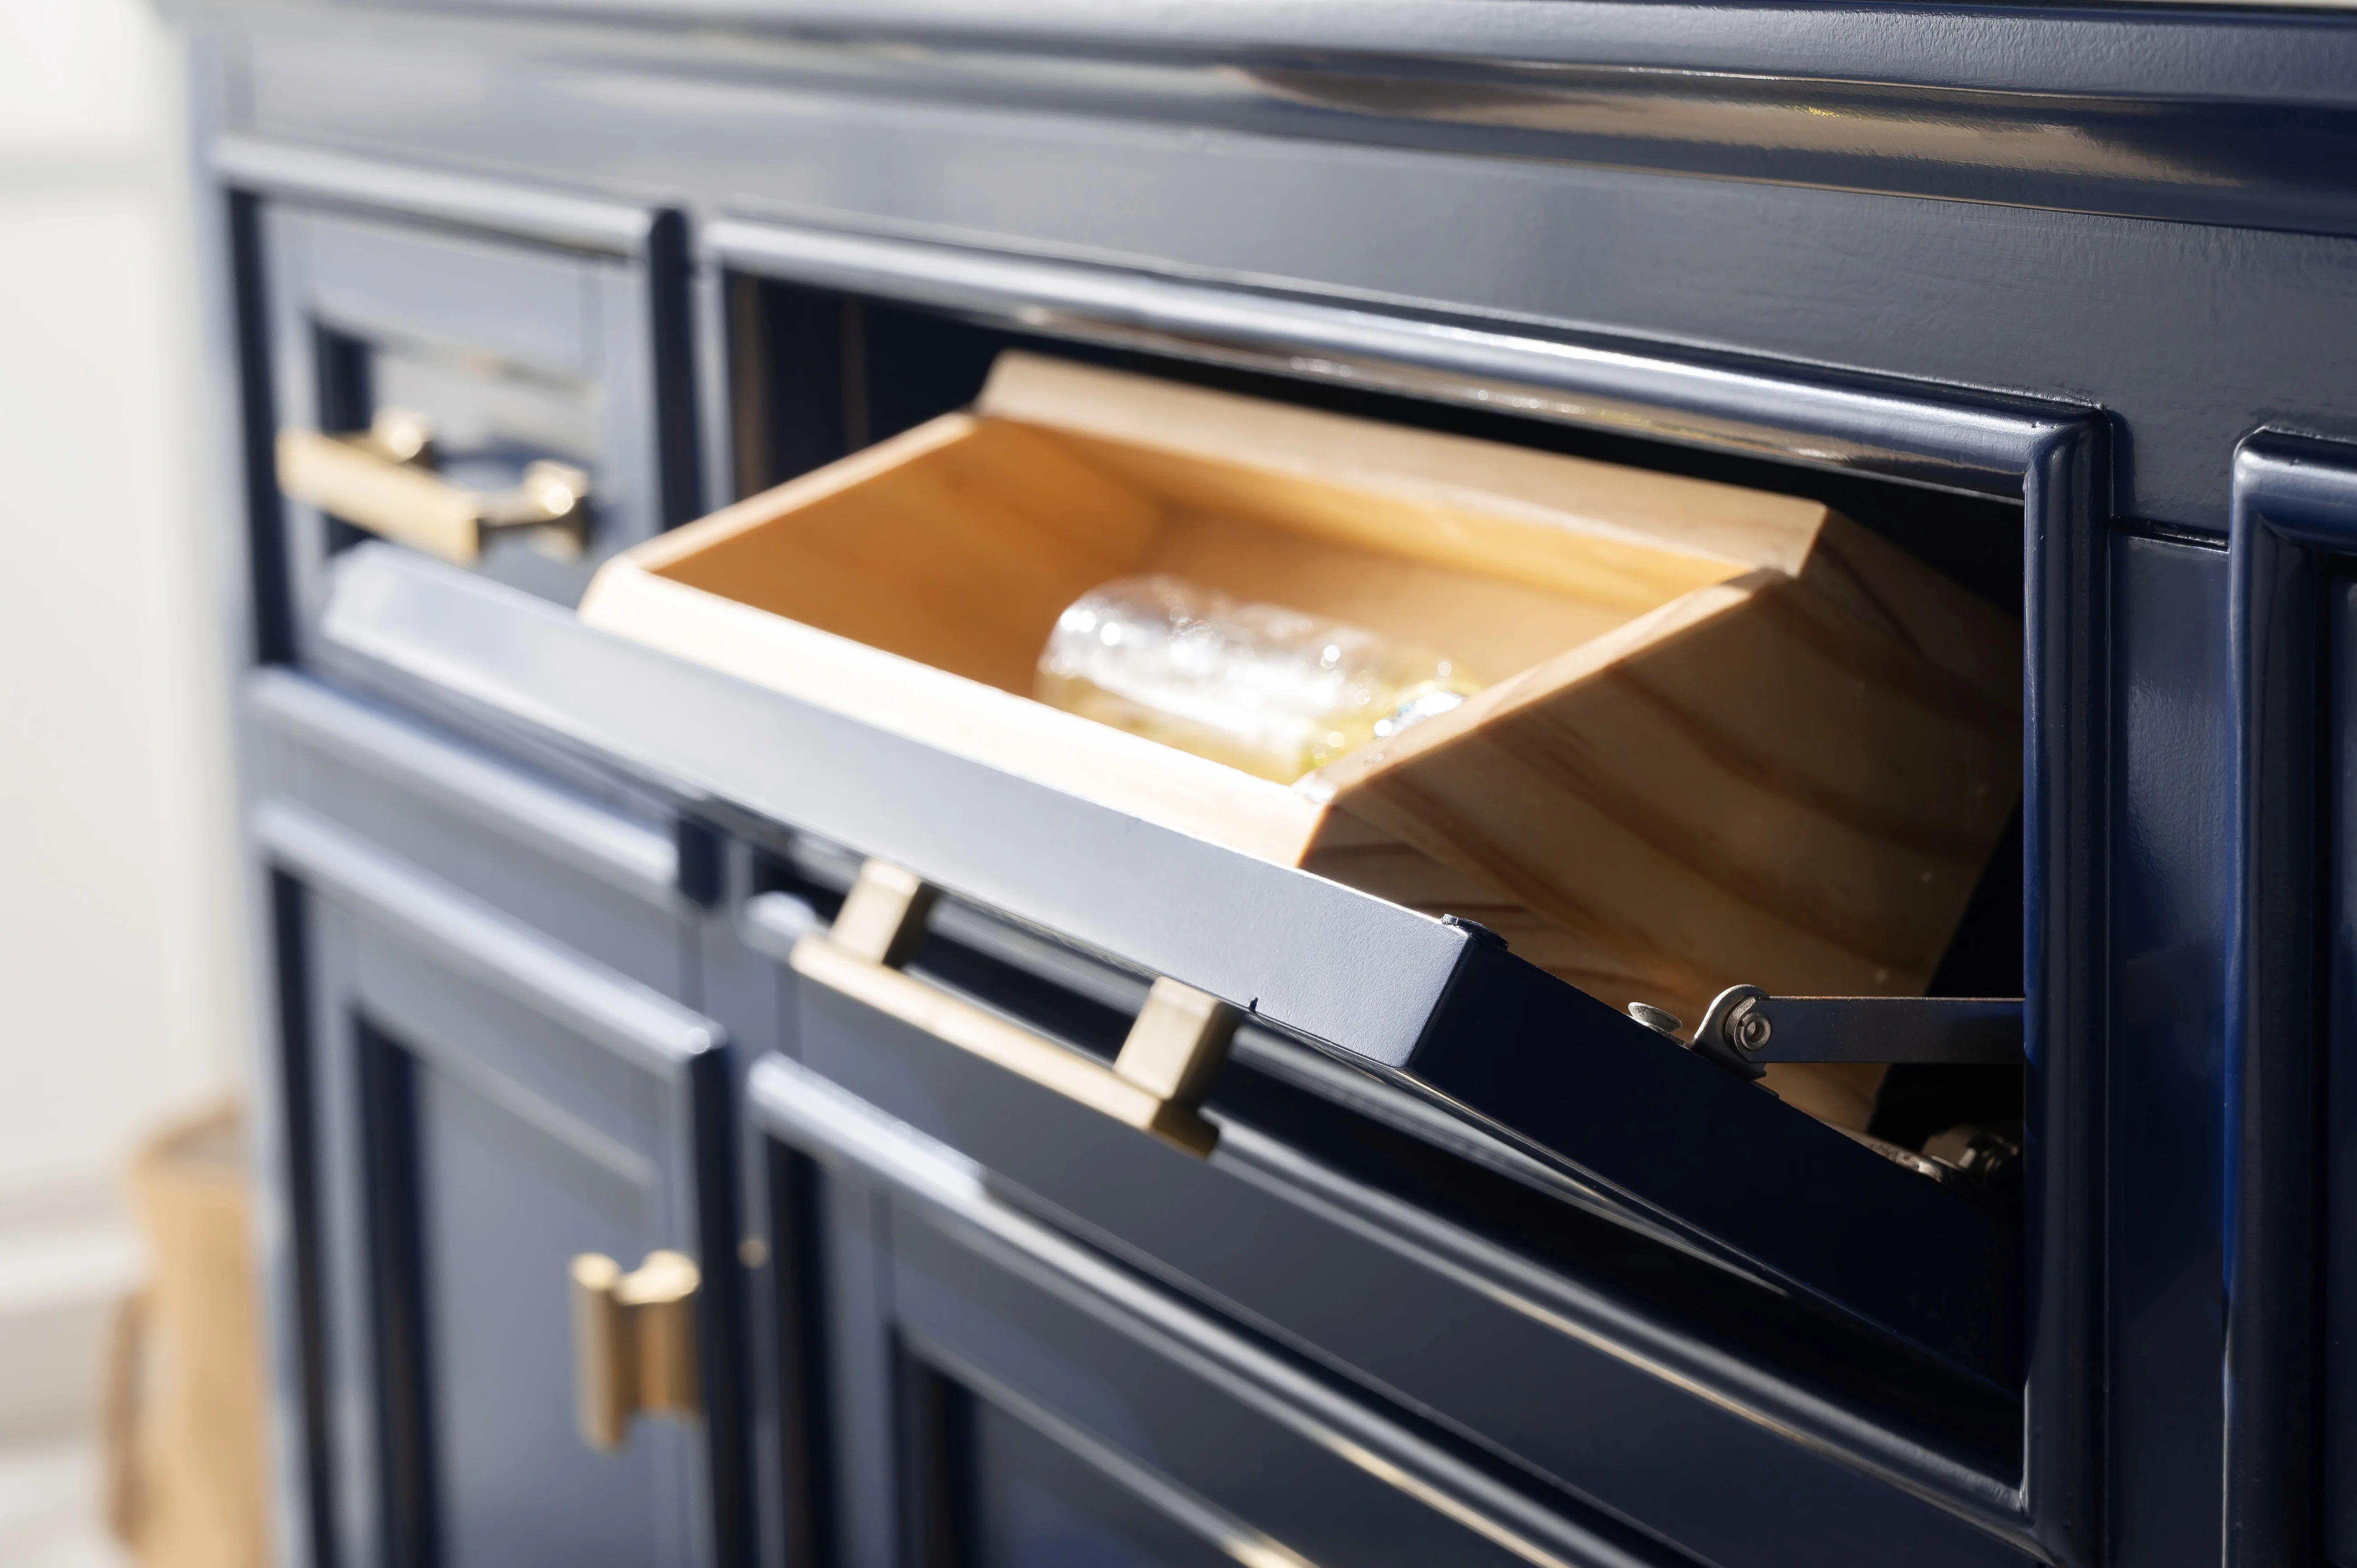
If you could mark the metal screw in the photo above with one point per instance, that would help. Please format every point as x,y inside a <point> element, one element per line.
<point>1659,1019</point>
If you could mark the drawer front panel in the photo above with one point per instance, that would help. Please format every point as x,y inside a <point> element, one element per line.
<point>534,311</point>
<point>490,1105</point>
<point>522,338</point>
<point>1428,1313</point>
<point>1033,1363</point>
<point>1048,1402</point>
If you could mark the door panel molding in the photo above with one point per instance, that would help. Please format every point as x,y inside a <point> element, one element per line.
<point>454,930</point>
<point>386,188</point>
<point>2294,526</point>
<point>813,1115</point>
<point>636,859</point>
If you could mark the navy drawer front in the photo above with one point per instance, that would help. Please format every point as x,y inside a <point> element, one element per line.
<point>1650,1131</point>
<point>523,326</point>
<point>1040,1396</point>
<point>599,876</point>
<point>487,1104</point>
<point>1549,1359</point>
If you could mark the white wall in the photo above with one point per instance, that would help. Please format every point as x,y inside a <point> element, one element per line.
<point>120,981</point>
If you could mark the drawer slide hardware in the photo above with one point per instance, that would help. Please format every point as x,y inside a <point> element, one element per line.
<point>633,1343</point>
<point>383,479</point>
<point>1746,1028</point>
<point>1156,1083</point>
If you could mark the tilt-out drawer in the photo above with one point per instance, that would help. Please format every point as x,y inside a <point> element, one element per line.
<point>1453,1019</point>
<point>1600,1340</point>
<point>1727,736</point>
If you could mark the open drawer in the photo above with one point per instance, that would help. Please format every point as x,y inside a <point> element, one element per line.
<point>1030,1056</point>
<point>1728,737</point>
<point>1437,1007</point>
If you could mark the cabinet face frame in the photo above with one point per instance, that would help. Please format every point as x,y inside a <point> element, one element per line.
<point>2054,459</point>
<point>296,372</point>
<point>2291,1262</point>
<point>362,1048</point>
<point>431,636</point>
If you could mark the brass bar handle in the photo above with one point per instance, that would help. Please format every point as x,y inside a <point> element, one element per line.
<point>382,479</point>
<point>633,1343</point>
<point>1156,1084</point>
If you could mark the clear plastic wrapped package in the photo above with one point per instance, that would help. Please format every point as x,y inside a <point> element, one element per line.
<point>1269,689</point>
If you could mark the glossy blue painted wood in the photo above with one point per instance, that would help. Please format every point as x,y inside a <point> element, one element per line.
<point>2337,1283</point>
<point>2141,208</point>
<point>489,1104</point>
<point>2295,522</point>
<point>2056,302</point>
<point>1204,1421</point>
<point>1581,1083</point>
<point>601,877</point>
<point>2171,890</point>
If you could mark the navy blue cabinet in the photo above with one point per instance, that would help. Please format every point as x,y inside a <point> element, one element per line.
<point>2057,301</point>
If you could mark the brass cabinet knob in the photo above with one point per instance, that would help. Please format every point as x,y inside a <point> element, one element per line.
<point>633,1343</point>
<point>383,479</point>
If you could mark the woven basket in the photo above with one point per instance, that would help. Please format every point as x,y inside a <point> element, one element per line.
<point>185,1464</point>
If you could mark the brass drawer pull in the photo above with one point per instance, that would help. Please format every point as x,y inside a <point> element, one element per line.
<point>383,479</point>
<point>633,1343</point>
<point>1156,1082</point>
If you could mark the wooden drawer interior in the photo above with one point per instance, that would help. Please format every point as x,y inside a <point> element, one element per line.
<point>1731,735</point>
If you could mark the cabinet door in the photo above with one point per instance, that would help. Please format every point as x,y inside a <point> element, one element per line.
<point>981,1390</point>
<point>489,1107</point>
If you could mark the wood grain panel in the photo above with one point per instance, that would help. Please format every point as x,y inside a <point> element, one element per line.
<point>1543,500</point>
<point>1490,626</point>
<point>1775,782</point>
<point>960,557</point>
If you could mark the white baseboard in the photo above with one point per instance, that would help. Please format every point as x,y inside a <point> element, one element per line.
<point>65,1262</point>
